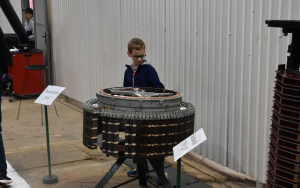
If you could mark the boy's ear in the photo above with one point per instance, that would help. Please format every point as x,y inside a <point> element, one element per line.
<point>129,54</point>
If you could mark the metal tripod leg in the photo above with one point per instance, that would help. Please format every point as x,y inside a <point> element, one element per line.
<point>141,166</point>
<point>23,88</point>
<point>159,171</point>
<point>111,172</point>
<point>55,108</point>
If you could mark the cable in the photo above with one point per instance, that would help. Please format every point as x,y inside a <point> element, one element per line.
<point>69,106</point>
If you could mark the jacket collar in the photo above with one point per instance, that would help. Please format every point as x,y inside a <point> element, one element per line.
<point>130,67</point>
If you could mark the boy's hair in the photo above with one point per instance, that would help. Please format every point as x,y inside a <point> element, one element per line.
<point>136,44</point>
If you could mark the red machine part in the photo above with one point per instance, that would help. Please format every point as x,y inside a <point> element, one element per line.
<point>33,83</point>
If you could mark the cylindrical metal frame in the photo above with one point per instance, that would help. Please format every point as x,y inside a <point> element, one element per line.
<point>153,120</point>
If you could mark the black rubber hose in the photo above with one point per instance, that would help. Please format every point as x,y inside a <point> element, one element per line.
<point>14,22</point>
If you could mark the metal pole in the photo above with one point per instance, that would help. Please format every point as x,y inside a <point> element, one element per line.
<point>50,179</point>
<point>178,172</point>
<point>48,145</point>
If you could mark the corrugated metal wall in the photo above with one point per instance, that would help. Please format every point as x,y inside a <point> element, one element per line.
<point>4,24</point>
<point>219,54</point>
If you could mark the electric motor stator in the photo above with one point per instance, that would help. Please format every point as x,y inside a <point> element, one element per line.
<point>153,121</point>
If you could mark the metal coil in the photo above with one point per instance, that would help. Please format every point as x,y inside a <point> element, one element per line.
<point>90,123</point>
<point>284,147</point>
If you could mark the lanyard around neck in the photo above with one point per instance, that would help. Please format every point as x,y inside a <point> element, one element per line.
<point>134,75</point>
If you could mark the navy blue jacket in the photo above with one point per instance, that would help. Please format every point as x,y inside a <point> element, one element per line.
<point>145,76</point>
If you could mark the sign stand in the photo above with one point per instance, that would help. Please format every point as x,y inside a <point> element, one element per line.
<point>178,172</point>
<point>184,147</point>
<point>47,98</point>
<point>49,179</point>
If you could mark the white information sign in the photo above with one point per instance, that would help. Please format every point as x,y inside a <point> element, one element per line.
<point>49,95</point>
<point>188,144</point>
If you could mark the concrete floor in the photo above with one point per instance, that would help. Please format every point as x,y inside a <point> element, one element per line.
<point>74,164</point>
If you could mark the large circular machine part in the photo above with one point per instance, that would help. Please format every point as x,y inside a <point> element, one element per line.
<point>128,98</point>
<point>154,121</point>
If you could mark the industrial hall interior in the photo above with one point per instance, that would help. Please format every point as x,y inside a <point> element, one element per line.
<point>149,93</point>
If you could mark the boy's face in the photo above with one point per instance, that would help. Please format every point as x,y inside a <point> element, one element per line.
<point>137,56</point>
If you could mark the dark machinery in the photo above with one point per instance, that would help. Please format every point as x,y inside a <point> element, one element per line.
<point>152,120</point>
<point>22,81</point>
<point>284,148</point>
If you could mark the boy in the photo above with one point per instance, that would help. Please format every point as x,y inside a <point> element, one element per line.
<point>140,74</point>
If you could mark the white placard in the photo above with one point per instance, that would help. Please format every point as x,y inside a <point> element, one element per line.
<point>49,95</point>
<point>188,144</point>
